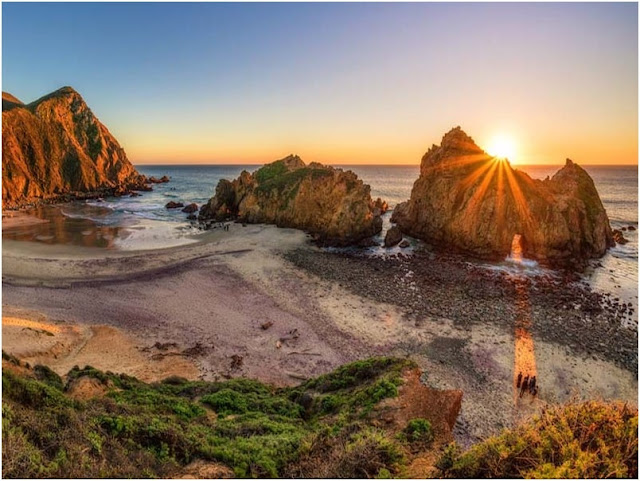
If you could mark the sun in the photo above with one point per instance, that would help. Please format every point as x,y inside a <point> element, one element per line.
<point>502,147</point>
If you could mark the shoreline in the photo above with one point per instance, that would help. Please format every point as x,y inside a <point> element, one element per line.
<point>212,298</point>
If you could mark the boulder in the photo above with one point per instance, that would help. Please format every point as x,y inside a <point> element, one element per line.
<point>173,205</point>
<point>192,217</point>
<point>618,237</point>
<point>331,204</point>
<point>155,180</point>
<point>468,201</point>
<point>393,237</point>
<point>404,244</point>
<point>190,208</point>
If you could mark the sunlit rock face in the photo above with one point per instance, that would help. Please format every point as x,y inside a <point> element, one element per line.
<point>332,204</point>
<point>56,146</point>
<point>472,202</point>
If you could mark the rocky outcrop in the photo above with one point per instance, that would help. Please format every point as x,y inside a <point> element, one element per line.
<point>380,206</point>
<point>333,205</point>
<point>393,237</point>
<point>472,202</point>
<point>162,180</point>
<point>618,237</point>
<point>55,147</point>
<point>190,208</point>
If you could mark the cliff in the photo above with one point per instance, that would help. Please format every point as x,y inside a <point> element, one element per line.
<point>56,146</point>
<point>470,201</point>
<point>333,205</point>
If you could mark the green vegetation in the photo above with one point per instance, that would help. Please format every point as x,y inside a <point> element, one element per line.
<point>325,427</point>
<point>47,376</point>
<point>151,430</point>
<point>270,171</point>
<point>276,176</point>
<point>358,386</point>
<point>587,440</point>
<point>419,431</point>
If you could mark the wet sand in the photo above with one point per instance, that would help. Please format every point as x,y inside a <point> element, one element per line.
<point>212,298</point>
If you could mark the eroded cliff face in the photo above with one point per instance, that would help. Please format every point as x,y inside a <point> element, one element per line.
<point>56,146</point>
<point>333,205</point>
<point>469,201</point>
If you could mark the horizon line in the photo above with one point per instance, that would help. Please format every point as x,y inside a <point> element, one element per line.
<point>515,165</point>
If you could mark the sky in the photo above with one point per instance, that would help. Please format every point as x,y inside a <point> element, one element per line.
<point>337,83</point>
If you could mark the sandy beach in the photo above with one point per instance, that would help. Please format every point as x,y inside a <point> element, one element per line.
<point>263,302</point>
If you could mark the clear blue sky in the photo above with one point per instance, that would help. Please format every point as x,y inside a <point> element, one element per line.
<point>337,83</point>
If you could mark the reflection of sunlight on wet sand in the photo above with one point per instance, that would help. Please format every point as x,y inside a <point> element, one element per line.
<point>42,326</point>
<point>524,353</point>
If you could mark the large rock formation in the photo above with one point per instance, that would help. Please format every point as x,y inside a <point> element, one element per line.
<point>467,200</point>
<point>56,147</point>
<point>332,204</point>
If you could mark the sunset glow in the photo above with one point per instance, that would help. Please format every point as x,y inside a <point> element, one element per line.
<point>339,83</point>
<point>503,147</point>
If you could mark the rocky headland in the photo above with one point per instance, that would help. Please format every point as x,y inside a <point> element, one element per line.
<point>331,204</point>
<point>56,149</point>
<point>467,200</point>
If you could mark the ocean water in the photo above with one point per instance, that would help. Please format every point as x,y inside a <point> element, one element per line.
<point>136,223</point>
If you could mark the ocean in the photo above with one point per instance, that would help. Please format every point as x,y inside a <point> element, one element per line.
<point>138,223</point>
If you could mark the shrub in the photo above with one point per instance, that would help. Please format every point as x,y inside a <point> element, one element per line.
<point>227,401</point>
<point>329,404</point>
<point>367,453</point>
<point>46,375</point>
<point>419,430</point>
<point>586,440</point>
<point>448,458</point>
<point>31,392</point>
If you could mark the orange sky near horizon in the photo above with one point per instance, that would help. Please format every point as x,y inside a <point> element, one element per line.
<point>620,149</point>
<point>338,83</point>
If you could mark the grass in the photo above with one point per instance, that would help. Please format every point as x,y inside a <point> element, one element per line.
<point>577,440</point>
<point>151,430</point>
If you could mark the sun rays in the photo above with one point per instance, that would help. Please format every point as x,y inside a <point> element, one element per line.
<point>502,147</point>
<point>493,176</point>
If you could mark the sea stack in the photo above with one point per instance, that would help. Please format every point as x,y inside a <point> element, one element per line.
<point>331,204</point>
<point>55,148</point>
<point>472,202</point>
